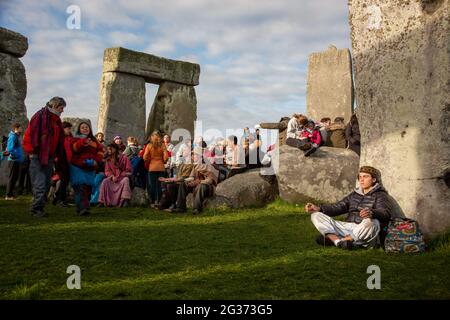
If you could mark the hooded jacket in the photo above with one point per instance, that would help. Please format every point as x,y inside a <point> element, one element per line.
<point>44,136</point>
<point>14,147</point>
<point>376,200</point>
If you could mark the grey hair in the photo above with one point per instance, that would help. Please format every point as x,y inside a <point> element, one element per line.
<point>56,102</point>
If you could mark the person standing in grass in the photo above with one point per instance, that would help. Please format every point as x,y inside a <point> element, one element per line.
<point>115,189</point>
<point>15,159</point>
<point>87,153</point>
<point>156,155</point>
<point>368,210</point>
<point>44,141</point>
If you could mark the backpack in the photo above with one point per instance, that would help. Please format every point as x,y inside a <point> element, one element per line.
<point>404,236</point>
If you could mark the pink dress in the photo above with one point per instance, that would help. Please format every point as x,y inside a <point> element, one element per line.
<point>114,193</point>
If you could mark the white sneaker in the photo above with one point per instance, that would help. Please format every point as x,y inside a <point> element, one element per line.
<point>10,198</point>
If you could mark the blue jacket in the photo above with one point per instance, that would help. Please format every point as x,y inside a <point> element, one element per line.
<point>14,147</point>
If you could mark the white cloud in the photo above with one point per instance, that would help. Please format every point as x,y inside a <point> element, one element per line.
<point>253,53</point>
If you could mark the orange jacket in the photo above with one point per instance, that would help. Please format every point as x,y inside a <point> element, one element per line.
<point>156,157</point>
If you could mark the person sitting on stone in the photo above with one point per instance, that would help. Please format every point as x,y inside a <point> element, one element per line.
<point>183,155</point>
<point>132,149</point>
<point>368,210</point>
<point>353,135</point>
<point>202,182</point>
<point>312,136</point>
<point>170,187</point>
<point>295,127</point>
<point>323,127</point>
<point>336,134</point>
<point>115,189</point>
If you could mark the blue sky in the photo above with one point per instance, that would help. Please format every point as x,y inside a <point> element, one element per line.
<point>253,53</point>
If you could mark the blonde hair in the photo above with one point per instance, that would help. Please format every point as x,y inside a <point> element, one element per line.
<point>155,140</point>
<point>132,139</point>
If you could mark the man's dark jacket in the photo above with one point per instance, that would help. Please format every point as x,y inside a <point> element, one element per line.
<point>376,200</point>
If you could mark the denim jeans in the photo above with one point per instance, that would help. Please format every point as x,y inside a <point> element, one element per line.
<point>40,182</point>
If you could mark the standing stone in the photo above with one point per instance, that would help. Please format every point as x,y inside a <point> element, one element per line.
<point>13,43</point>
<point>76,122</point>
<point>401,57</point>
<point>122,108</point>
<point>13,90</point>
<point>13,87</point>
<point>175,107</point>
<point>329,91</point>
<point>122,94</point>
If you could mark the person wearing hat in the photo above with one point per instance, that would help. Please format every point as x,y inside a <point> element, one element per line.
<point>368,209</point>
<point>118,141</point>
<point>201,183</point>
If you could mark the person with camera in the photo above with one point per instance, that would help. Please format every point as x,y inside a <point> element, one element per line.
<point>367,208</point>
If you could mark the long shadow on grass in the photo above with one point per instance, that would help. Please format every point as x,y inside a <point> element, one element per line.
<point>316,274</point>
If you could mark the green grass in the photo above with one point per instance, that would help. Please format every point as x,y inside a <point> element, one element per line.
<point>137,253</point>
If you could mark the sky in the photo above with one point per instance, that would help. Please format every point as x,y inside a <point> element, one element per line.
<point>253,53</point>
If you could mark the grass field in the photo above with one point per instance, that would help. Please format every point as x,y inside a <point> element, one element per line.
<point>137,253</point>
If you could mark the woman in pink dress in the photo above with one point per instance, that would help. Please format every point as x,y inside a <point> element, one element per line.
<point>115,190</point>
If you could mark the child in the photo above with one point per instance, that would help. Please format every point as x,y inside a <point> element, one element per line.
<point>312,135</point>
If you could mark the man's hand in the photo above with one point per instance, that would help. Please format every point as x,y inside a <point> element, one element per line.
<point>311,208</point>
<point>193,183</point>
<point>366,213</point>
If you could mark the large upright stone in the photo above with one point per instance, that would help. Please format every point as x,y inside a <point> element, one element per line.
<point>175,107</point>
<point>13,43</point>
<point>402,59</point>
<point>329,91</point>
<point>13,90</point>
<point>154,69</point>
<point>122,106</point>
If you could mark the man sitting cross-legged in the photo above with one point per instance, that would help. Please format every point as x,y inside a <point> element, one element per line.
<point>367,207</point>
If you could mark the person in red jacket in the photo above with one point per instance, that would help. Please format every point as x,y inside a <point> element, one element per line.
<point>312,135</point>
<point>87,153</point>
<point>43,141</point>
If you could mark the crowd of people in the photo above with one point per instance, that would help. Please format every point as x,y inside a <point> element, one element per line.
<point>307,135</point>
<point>104,174</point>
<point>50,157</point>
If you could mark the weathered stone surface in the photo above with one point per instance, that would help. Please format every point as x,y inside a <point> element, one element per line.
<point>122,106</point>
<point>329,91</point>
<point>13,43</point>
<point>154,69</point>
<point>76,122</point>
<point>4,173</point>
<point>175,107</point>
<point>401,58</point>
<point>281,126</point>
<point>13,90</point>
<point>327,175</point>
<point>248,189</point>
<point>139,198</point>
